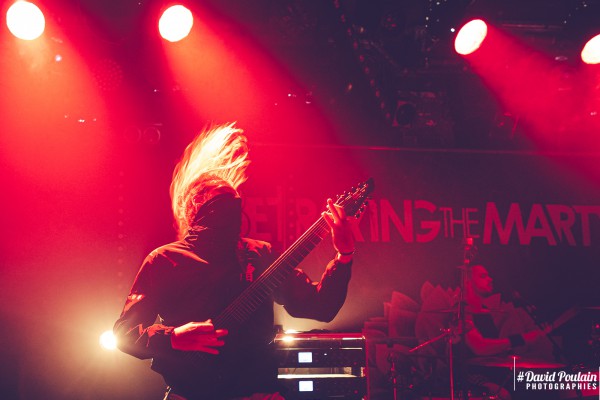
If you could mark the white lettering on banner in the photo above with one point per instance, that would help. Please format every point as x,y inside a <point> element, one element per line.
<point>562,219</point>
<point>422,221</point>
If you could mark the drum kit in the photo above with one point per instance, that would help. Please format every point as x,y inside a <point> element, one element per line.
<point>459,366</point>
<point>401,360</point>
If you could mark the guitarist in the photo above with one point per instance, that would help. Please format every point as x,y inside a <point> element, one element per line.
<point>181,286</point>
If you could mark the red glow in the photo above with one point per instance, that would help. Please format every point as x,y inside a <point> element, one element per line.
<point>25,20</point>
<point>175,23</point>
<point>224,76</point>
<point>53,115</point>
<point>470,37</point>
<point>548,97</point>
<point>591,51</point>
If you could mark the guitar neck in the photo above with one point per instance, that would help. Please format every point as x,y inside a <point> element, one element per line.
<point>262,288</point>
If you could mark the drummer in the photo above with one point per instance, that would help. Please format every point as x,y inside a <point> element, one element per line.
<point>483,336</point>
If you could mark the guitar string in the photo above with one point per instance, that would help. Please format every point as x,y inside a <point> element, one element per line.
<point>228,317</point>
<point>271,273</point>
<point>247,303</point>
<point>311,233</point>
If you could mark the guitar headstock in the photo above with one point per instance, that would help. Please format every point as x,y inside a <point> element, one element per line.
<point>354,201</point>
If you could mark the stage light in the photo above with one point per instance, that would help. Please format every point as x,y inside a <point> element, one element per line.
<point>108,341</point>
<point>591,51</point>
<point>470,37</point>
<point>25,20</point>
<point>288,339</point>
<point>175,23</point>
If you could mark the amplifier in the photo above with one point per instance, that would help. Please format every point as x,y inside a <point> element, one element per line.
<point>322,365</point>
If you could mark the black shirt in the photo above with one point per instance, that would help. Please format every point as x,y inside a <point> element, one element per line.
<point>189,281</point>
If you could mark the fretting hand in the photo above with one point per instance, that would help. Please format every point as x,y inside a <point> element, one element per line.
<point>341,228</point>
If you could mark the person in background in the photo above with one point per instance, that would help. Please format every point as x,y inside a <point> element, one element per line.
<point>486,334</point>
<point>482,335</point>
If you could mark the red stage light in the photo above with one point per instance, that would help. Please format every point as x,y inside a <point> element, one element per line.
<point>25,20</point>
<point>591,51</point>
<point>175,23</point>
<point>470,37</point>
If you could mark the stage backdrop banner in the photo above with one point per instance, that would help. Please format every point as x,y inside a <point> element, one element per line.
<point>534,220</point>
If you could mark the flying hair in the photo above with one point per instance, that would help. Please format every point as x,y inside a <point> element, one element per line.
<point>217,157</point>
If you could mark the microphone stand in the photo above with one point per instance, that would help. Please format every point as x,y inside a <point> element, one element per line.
<point>468,256</point>
<point>446,334</point>
<point>449,333</point>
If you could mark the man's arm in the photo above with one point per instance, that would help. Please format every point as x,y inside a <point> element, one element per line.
<point>137,331</point>
<point>303,298</point>
<point>483,346</point>
<point>322,300</point>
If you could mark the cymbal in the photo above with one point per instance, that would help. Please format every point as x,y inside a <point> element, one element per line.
<point>511,361</point>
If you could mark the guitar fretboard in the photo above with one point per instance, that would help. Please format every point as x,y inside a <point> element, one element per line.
<point>261,289</point>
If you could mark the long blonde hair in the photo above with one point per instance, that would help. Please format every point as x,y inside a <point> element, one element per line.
<point>218,156</point>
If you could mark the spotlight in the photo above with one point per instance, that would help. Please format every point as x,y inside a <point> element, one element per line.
<point>470,37</point>
<point>108,341</point>
<point>25,20</point>
<point>591,51</point>
<point>175,23</point>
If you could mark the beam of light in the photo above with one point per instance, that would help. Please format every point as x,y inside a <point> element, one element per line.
<point>591,51</point>
<point>108,341</point>
<point>470,37</point>
<point>43,100</point>
<point>529,84</point>
<point>225,76</point>
<point>25,20</point>
<point>175,23</point>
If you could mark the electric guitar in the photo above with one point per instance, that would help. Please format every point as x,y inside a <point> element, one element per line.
<point>253,296</point>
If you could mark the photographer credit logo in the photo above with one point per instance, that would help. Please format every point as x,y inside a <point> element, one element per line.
<point>537,380</point>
